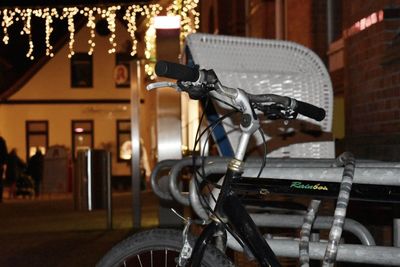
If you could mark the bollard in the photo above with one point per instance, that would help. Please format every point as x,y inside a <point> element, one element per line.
<point>92,183</point>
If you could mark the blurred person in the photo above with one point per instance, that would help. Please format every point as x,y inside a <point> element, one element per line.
<point>15,168</point>
<point>3,166</point>
<point>35,169</point>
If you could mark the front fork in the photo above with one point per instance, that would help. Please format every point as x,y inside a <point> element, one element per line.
<point>230,209</point>
<point>249,232</point>
<point>217,223</point>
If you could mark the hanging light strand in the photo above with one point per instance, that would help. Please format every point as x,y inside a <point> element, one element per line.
<point>26,16</point>
<point>130,17</point>
<point>91,24</point>
<point>48,15</point>
<point>8,20</point>
<point>150,38</point>
<point>190,17</point>
<point>109,14</point>
<point>69,13</point>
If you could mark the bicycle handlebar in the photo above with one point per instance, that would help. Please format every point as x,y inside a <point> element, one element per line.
<point>189,74</point>
<point>176,71</point>
<point>309,110</point>
<point>300,107</point>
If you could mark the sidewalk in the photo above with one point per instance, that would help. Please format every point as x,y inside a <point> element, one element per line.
<point>49,232</point>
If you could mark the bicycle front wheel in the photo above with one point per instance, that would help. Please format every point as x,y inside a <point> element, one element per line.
<point>157,247</point>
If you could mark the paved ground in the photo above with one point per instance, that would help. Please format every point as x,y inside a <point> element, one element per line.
<point>49,232</point>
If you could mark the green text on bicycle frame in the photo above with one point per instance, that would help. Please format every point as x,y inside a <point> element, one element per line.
<point>300,185</point>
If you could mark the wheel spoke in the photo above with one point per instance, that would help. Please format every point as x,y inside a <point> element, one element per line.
<point>161,245</point>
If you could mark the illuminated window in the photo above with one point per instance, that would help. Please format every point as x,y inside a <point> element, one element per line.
<point>82,135</point>
<point>37,137</point>
<point>124,146</point>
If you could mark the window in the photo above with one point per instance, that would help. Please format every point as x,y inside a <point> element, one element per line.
<point>37,137</point>
<point>124,147</point>
<point>82,135</point>
<point>122,70</point>
<point>81,70</point>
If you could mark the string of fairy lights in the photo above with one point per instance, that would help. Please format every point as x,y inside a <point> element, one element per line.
<point>185,9</point>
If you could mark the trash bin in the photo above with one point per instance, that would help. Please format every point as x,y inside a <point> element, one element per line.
<point>92,188</point>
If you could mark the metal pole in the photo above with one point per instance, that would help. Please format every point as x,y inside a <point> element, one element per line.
<point>169,124</point>
<point>135,141</point>
<point>396,232</point>
<point>379,255</point>
<point>109,192</point>
<point>89,179</point>
<point>279,20</point>
<point>247,15</point>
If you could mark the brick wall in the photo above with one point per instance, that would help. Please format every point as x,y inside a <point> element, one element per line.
<point>354,10</point>
<point>262,21</point>
<point>298,22</point>
<point>319,29</point>
<point>231,17</point>
<point>372,82</point>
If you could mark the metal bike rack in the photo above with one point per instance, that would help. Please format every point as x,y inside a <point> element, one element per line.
<point>154,178</point>
<point>365,253</point>
<point>280,220</point>
<point>346,252</point>
<point>368,172</point>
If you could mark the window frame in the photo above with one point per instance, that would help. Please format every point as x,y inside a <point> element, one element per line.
<point>120,131</point>
<point>123,60</point>
<point>81,63</point>
<point>29,133</point>
<point>73,134</point>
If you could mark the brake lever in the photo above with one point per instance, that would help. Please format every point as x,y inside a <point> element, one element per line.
<point>156,85</point>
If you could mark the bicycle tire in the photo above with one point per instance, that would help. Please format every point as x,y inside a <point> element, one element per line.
<point>150,247</point>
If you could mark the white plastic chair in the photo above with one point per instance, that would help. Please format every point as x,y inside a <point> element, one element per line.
<point>270,66</point>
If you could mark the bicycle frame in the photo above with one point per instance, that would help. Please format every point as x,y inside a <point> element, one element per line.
<point>229,208</point>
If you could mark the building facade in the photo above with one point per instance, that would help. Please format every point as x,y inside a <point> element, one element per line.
<point>77,103</point>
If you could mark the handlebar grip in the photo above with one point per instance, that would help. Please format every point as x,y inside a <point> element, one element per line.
<point>176,71</point>
<point>310,111</point>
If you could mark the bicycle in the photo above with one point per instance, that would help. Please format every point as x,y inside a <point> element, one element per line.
<point>224,216</point>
